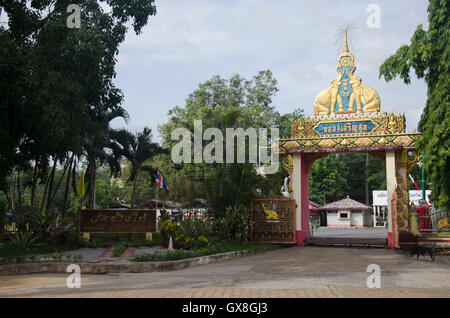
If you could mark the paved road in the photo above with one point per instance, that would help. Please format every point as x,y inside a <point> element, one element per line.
<point>364,232</point>
<point>287,272</point>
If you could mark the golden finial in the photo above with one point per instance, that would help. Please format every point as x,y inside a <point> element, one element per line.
<point>345,42</point>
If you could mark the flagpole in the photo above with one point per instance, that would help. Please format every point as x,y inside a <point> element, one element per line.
<point>157,191</point>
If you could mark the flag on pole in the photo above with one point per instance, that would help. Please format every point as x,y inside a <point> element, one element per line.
<point>160,181</point>
<point>414,182</point>
<point>80,187</point>
<point>417,187</point>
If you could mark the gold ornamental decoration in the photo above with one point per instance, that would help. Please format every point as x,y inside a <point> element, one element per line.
<point>346,93</point>
<point>273,220</point>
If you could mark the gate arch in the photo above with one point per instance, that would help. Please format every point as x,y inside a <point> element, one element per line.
<point>347,118</point>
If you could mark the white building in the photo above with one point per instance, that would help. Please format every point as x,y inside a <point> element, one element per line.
<point>348,213</point>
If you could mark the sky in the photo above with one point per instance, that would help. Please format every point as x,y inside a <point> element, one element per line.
<point>188,42</point>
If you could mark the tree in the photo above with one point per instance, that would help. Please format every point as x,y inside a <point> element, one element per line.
<point>53,80</point>
<point>136,148</point>
<point>226,103</point>
<point>326,179</point>
<point>285,122</point>
<point>98,143</point>
<point>429,55</point>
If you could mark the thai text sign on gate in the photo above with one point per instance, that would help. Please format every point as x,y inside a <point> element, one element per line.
<point>118,221</point>
<point>273,220</point>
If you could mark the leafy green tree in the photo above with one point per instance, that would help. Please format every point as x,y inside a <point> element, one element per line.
<point>326,180</point>
<point>53,80</point>
<point>227,103</point>
<point>353,168</point>
<point>285,122</point>
<point>429,55</point>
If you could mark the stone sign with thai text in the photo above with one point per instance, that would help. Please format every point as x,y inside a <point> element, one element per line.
<point>118,221</point>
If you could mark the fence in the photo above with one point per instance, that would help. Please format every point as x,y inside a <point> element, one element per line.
<point>429,224</point>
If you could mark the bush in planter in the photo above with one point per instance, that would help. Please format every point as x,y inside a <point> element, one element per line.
<point>189,243</point>
<point>168,229</point>
<point>180,241</point>
<point>195,228</point>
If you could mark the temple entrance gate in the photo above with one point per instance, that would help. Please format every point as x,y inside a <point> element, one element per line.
<point>347,118</point>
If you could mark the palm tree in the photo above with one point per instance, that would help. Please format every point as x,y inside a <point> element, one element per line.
<point>136,148</point>
<point>97,144</point>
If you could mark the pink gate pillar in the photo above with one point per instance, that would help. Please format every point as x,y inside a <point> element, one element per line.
<point>300,187</point>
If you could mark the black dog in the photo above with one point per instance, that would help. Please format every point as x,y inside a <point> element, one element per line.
<point>422,250</point>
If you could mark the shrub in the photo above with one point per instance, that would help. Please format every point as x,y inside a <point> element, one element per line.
<point>203,240</point>
<point>195,228</point>
<point>168,229</point>
<point>208,250</point>
<point>222,230</point>
<point>24,240</point>
<point>238,223</point>
<point>119,249</point>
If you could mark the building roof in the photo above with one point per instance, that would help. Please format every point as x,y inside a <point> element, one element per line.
<point>199,203</point>
<point>313,204</point>
<point>345,204</point>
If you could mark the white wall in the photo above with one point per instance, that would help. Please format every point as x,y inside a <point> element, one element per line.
<point>334,221</point>
<point>357,219</point>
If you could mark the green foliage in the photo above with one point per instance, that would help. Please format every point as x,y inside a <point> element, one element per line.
<point>285,122</point>
<point>61,95</point>
<point>210,249</point>
<point>195,228</point>
<point>106,194</point>
<point>221,229</point>
<point>187,242</point>
<point>203,239</point>
<point>10,250</point>
<point>224,103</point>
<point>238,223</point>
<point>327,182</point>
<point>119,249</point>
<point>24,240</point>
<point>333,177</point>
<point>136,148</point>
<point>429,55</point>
<point>168,228</point>
<point>156,238</point>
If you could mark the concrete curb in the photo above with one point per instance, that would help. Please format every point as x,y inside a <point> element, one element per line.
<point>132,267</point>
